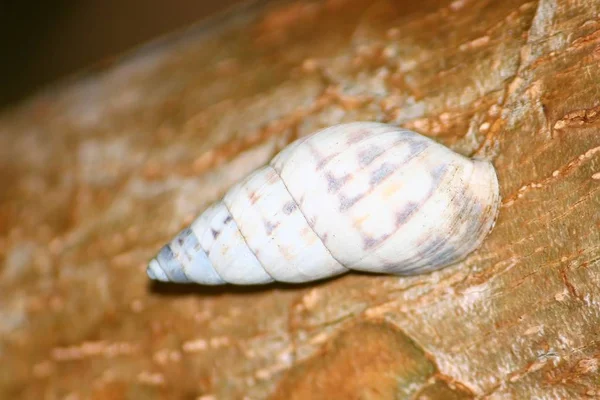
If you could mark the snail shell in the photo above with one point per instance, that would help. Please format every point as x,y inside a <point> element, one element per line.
<point>359,196</point>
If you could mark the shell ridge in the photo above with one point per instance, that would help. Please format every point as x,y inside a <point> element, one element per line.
<point>206,251</point>
<point>181,255</point>
<point>181,263</point>
<point>213,267</point>
<point>156,272</point>
<point>246,243</point>
<point>309,225</point>
<point>171,265</point>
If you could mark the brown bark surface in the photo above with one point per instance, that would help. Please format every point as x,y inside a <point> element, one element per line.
<point>100,171</point>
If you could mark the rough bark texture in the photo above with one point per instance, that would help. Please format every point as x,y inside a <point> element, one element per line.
<point>98,172</point>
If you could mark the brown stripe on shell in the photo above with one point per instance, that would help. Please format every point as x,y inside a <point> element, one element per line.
<point>371,243</point>
<point>270,227</point>
<point>311,221</point>
<point>379,175</point>
<point>406,212</point>
<point>430,245</point>
<point>346,203</point>
<point>385,170</point>
<point>368,155</point>
<point>355,137</point>
<point>334,184</point>
<point>359,135</point>
<point>289,207</point>
<point>253,197</point>
<point>322,160</point>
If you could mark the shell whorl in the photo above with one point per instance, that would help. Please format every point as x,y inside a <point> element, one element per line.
<point>359,196</point>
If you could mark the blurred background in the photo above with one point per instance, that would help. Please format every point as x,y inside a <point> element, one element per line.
<point>42,41</point>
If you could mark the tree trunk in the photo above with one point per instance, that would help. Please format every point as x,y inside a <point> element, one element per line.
<point>100,171</point>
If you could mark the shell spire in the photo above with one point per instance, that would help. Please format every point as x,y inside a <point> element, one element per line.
<point>360,196</point>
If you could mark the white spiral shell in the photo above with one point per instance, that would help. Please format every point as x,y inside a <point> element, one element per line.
<point>359,196</point>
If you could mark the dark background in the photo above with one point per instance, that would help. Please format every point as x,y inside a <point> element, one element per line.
<point>42,41</point>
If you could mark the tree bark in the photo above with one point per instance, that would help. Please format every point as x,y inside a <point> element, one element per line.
<point>98,172</point>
